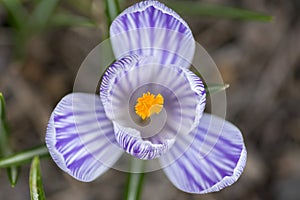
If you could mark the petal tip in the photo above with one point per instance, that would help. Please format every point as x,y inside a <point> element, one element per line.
<point>215,157</point>
<point>230,180</point>
<point>150,28</point>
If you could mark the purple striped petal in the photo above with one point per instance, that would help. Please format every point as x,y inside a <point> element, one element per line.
<point>149,28</point>
<point>80,138</point>
<point>211,158</point>
<point>132,142</point>
<point>127,79</point>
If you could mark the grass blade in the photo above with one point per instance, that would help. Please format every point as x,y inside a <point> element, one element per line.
<point>210,88</point>
<point>5,150</point>
<point>112,10</point>
<point>35,180</point>
<point>42,13</point>
<point>13,175</point>
<point>24,157</point>
<point>2,107</point>
<point>202,9</point>
<point>17,14</point>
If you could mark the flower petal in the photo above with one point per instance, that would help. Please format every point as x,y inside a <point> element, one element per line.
<point>150,28</point>
<point>213,157</point>
<point>80,138</point>
<point>127,79</point>
<point>132,142</point>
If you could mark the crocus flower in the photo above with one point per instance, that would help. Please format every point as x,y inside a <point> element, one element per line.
<point>151,106</point>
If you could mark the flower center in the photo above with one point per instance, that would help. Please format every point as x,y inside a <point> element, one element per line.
<point>149,104</point>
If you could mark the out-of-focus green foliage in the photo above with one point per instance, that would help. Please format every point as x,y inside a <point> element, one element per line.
<point>17,14</point>
<point>5,150</point>
<point>63,19</point>
<point>35,181</point>
<point>210,10</point>
<point>43,16</point>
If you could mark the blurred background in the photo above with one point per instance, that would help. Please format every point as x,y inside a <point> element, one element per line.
<point>260,61</point>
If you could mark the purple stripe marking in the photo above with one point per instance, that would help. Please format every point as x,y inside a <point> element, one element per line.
<point>79,162</point>
<point>189,177</point>
<point>196,168</point>
<point>226,154</point>
<point>208,160</point>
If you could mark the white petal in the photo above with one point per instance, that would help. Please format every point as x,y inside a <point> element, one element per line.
<point>129,78</point>
<point>80,138</point>
<point>211,158</point>
<point>149,28</point>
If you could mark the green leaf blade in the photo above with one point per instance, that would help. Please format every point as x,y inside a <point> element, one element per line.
<point>5,149</point>
<point>24,157</point>
<point>210,10</point>
<point>215,88</point>
<point>17,13</point>
<point>42,14</point>
<point>2,107</point>
<point>35,181</point>
<point>112,10</point>
<point>13,175</point>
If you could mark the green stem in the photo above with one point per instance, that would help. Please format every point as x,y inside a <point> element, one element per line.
<point>135,180</point>
<point>24,157</point>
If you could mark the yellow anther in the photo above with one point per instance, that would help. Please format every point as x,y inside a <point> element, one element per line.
<point>149,104</point>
